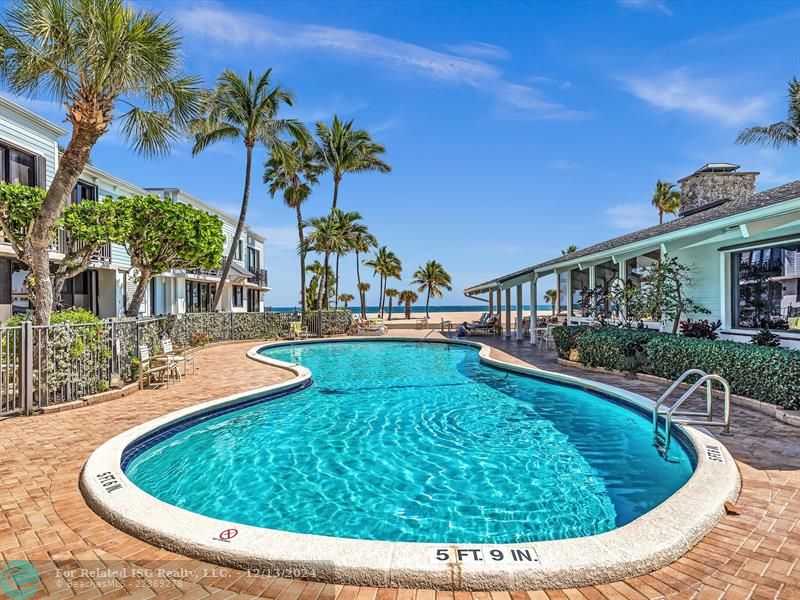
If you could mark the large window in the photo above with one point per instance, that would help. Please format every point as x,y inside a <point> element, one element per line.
<point>238,296</point>
<point>580,284</point>
<point>84,191</point>
<point>199,296</point>
<point>253,259</point>
<point>17,166</point>
<point>563,279</point>
<point>766,286</point>
<point>253,298</point>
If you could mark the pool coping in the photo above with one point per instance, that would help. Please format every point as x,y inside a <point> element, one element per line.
<point>651,541</point>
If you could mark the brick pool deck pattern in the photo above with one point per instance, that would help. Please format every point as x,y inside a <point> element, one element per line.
<point>44,519</point>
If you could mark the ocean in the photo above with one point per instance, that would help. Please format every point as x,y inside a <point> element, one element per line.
<point>417,308</point>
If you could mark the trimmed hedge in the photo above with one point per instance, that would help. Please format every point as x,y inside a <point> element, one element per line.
<point>762,373</point>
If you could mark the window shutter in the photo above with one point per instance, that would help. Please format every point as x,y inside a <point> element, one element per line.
<point>41,172</point>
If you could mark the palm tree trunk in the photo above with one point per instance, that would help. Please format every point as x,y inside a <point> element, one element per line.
<point>325,294</point>
<point>427,302</point>
<point>358,287</point>
<point>660,217</point>
<point>69,169</point>
<point>138,294</point>
<point>380,297</point>
<point>336,285</point>
<point>336,180</point>
<point>302,261</point>
<point>239,228</point>
<point>390,308</point>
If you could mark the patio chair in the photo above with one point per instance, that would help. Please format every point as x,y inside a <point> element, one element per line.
<point>182,356</point>
<point>152,371</point>
<point>488,326</point>
<point>298,330</point>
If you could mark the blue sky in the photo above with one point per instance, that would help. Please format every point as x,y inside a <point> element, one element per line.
<point>513,129</point>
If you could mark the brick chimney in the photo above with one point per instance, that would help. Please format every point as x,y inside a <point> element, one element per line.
<point>713,184</point>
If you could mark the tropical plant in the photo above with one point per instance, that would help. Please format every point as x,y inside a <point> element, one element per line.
<point>782,133</point>
<point>243,109</point>
<point>431,278</point>
<point>346,150</point>
<point>92,57</point>
<point>705,329</point>
<point>765,337</point>
<point>363,288</point>
<point>391,293</point>
<point>569,249</point>
<point>316,286</point>
<point>293,168</point>
<point>88,226</point>
<point>324,237</point>
<point>408,297</point>
<point>346,299</point>
<point>350,231</point>
<point>163,235</point>
<point>666,199</point>
<point>385,265</point>
<point>551,297</point>
<point>362,242</point>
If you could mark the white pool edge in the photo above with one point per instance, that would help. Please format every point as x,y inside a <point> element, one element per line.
<point>651,541</point>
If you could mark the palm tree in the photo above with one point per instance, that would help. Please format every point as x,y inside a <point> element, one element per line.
<point>324,237</point>
<point>391,293</point>
<point>782,133</point>
<point>346,150</point>
<point>666,199</point>
<point>349,230</point>
<point>92,57</point>
<point>346,299</point>
<point>385,264</point>
<point>362,242</point>
<point>292,167</point>
<point>246,110</point>
<point>363,288</point>
<point>315,286</point>
<point>432,277</point>
<point>408,297</point>
<point>551,297</point>
<point>569,249</point>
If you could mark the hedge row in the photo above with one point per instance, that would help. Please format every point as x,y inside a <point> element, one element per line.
<point>767,374</point>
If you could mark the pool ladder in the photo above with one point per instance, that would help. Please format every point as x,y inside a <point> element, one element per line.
<point>671,414</point>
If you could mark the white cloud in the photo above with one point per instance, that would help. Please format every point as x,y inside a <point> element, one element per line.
<point>656,6</point>
<point>562,164</point>
<point>480,50</point>
<point>251,31</point>
<point>677,91</point>
<point>631,216</point>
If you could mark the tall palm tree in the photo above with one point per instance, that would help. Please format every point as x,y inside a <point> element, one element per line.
<point>385,265</point>
<point>551,296</point>
<point>666,199</point>
<point>324,237</point>
<point>432,278</point>
<point>569,249</point>
<point>346,299</point>
<point>782,133</point>
<point>408,297</point>
<point>363,288</point>
<point>293,168</point>
<point>350,229</point>
<point>315,286</point>
<point>346,150</point>
<point>243,109</point>
<point>391,293</point>
<point>361,243</point>
<point>92,57</point>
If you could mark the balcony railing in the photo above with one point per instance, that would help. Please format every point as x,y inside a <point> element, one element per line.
<point>216,272</point>
<point>259,277</point>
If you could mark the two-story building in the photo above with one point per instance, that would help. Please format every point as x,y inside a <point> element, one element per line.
<point>29,154</point>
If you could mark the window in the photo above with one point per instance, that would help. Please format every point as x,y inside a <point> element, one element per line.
<point>238,296</point>
<point>199,296</point>
<point>253,259</point>
<point>17,166</point>
<point>563,279</point>
<point>253,298</point>
<point>580,283</point>
<point>766,286</point>
<point>84,191</point>
<point>239,246</point>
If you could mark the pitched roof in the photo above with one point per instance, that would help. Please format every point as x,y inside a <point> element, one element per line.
<point>769,197</point>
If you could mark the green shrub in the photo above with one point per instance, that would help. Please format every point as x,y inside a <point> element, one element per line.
<point>762,373</point>
<point>566,338</point>
<point>613,347</point>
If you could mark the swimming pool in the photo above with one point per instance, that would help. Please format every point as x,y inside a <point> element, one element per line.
<point>411,442</point>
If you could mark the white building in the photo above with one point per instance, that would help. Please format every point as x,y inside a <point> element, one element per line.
<point>29,155</point>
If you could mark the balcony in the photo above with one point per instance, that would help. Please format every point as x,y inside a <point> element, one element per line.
<point>258,278</point>
<point>216,272</point>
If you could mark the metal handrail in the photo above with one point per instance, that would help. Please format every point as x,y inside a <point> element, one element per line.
<point>669,391</point>
<point>725,423</point>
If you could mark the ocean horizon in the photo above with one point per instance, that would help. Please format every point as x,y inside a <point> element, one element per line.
<point>421,309</point>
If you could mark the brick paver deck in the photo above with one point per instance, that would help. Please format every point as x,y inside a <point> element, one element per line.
<point>43,518</point>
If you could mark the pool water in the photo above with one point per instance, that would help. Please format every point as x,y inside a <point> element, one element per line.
<point>418,442</point>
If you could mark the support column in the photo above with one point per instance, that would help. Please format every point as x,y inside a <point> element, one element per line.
<point>498,305</point>
<point>507,332</point>
<point>491,303</point>
<point>520,328</point>
<point>534,312</point>
<point>569,296</point>
<point>558,292</point>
